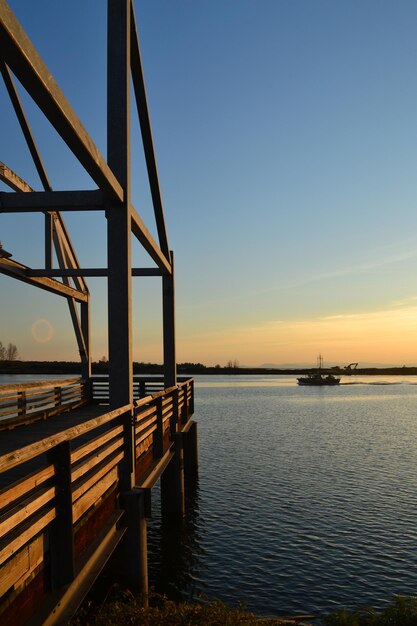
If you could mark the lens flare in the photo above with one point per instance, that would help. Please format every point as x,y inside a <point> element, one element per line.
<point>42,331</point>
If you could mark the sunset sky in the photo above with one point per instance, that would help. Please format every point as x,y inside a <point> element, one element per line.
<point>286,139</point>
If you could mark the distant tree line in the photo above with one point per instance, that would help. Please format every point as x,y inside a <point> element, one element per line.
<point>9,352</point>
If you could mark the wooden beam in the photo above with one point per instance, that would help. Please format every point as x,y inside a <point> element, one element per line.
<point>146,131</point>
<point>27,200</point>
<point>19,271</point>
<point>21,187</point>
<point>12,180</point>
<point>146,271</point>
<point>71,302</point>
<point>24,125</point>
<point>26,64</point>
<point>94,272</point>
<point>144,236</point>
<point>168,310</point>
<point>67,258</point>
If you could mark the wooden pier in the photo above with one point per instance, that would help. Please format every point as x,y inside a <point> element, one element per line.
<point>79,457</point>
<point>65,496</point>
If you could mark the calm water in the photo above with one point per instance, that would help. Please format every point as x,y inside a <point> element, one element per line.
<point>306,498</point>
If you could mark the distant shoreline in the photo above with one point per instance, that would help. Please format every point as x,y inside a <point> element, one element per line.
<point>68,367</point>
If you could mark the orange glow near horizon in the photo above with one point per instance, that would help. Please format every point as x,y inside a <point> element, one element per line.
<point>387,336</point>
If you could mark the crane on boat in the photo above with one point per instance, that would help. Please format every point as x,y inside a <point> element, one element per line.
<point>351,368</point>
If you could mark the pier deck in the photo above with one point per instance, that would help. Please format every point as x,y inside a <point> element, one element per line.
<point>63,504</point>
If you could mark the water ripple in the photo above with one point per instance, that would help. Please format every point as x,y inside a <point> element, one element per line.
<point>306,497</point>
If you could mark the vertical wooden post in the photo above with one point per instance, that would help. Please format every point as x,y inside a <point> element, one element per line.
<point>172,482</point>
<point>134,544</point>
<point>21,403</point>
<point>58,396</point>
<point>168,308</point>
<point>61,539</point>
<point>174,417</point>
<point>184,412</point>
<point>119,217</point>
<point>192,397</point>
<point>142,388</point>
<point>158,435</point>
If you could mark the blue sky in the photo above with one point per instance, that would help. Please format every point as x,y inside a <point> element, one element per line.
<point>286,140</point>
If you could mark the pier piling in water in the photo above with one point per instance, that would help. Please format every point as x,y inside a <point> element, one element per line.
<point>133,552</point>
<point>172,482</point>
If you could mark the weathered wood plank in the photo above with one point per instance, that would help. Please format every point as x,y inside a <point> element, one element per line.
<point>145,433</point>
<point>143,423</point>
<point>32,528</point>
<point>93,495</point>
<point>15,572</point>
<point>25,485</point>
<point>11,519</point>
<point>96,459</point>
<point>96,477</point>
<point>144,413</point>
<point>60,382</point>
<point>97,442</point>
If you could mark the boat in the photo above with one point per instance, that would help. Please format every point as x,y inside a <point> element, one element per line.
<point>318,378</point>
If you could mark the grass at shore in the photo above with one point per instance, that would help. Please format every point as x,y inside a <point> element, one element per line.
<point>402,611</point>
<point>126,610</point>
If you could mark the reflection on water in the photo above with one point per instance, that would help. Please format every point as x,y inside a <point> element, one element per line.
<point>174,547</point>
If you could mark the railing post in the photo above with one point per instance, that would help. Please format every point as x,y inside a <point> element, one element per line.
<point>58,396</point>
<point>158,435</point>
<point>192,397</point>
<point>185,413</point>
<point>142,388</point>
<point>21,403</point>
<point>127,467</point>
<point>61,538</point>
<point>174,417</point>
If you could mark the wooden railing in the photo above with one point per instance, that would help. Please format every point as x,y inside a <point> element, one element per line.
<point>142,386</point>
<point>21,403</point>
<point>54,488</point>
<point>41,511</point>
<point>159,416</point>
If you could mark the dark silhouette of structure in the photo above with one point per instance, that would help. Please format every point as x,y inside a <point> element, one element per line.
<point>79,457</point>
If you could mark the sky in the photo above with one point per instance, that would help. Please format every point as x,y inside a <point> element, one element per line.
<point>286,138</point>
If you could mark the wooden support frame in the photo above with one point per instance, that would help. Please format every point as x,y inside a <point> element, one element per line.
<point>19,58</point>
<point>18,270</point>
<point>24,125</point>
<point>118,467</point>
<point>23,59</point>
